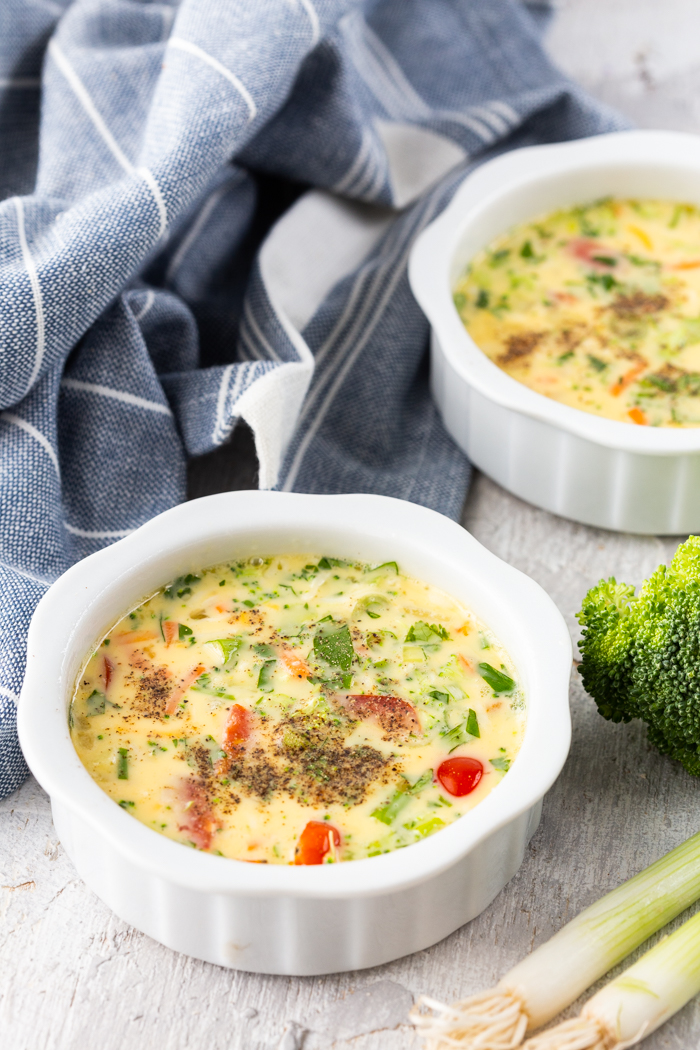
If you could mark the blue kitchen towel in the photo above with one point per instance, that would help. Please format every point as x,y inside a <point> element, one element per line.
<point>147,299</point>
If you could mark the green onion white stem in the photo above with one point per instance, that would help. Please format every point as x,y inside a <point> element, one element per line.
<point>633,1006</point>
<point>555,974</point>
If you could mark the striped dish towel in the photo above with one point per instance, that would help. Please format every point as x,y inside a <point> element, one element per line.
<point>206,212</point>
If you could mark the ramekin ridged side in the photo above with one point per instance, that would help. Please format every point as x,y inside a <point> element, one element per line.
<point>284,934</point>
<point>278,918</point>
<point>593,470</point>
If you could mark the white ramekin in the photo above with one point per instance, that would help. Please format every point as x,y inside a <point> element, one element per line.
<point>594,470</point>
<point>282,919</point>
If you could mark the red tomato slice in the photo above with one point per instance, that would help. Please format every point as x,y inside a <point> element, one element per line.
<point>315,841</point>
<point>460,775</point>
<point>237,729</point>
<point>171,630</point>
<point>199,821</point>
<point>586,250</point>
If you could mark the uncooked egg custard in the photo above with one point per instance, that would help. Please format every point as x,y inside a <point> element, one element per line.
<point>597,307</point>
<point>298,709</point>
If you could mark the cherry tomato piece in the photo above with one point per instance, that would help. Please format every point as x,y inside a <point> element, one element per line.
<point>460,775</point>
<point>315,842</point>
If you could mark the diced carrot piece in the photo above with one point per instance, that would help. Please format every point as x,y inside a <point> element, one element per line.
<point>692,264</point>
<point>182,687</point>
<point>466,664</point>
<point>637,416</point>
<point>132,637</point>
<point>295,663</point>
<point>624,381</point>
<point>171,631</point>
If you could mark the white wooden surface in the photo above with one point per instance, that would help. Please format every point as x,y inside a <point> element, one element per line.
<point>73,976</point>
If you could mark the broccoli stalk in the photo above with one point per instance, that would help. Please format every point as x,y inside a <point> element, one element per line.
<point>641,653</point>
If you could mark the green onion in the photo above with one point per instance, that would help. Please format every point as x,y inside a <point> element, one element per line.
<point>555,974</point>
<point>123,764</point>
<point>633,1006</point>
<point>401,797</point>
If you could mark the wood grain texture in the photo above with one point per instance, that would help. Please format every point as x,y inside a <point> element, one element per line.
<point>73,976</point>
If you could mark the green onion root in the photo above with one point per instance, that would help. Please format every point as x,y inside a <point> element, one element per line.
<point>633,1006</point>
<point>492,1020</point>
<point>559,971</point>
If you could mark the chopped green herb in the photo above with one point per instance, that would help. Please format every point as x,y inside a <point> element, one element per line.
<point>499,257</point>
<point>330,563</point>
<point>334,646</point>
<point>605,280</point>
<point>265,676</point>
<point>498,680</point>
<point>125,803</point>
<point>502,764</point>
<point>183,631</point>
<point>604,260</point>
<point>95,703</point>
<point>482,299</point>
<point>429,636</point>
<point>596,363</point>
<point>181,586</point>
<point>526,251</point>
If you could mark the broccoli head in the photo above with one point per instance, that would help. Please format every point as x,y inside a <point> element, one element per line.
<point>641,653</point>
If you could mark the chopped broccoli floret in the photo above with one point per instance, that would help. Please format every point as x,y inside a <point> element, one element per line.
<point>641,653</point>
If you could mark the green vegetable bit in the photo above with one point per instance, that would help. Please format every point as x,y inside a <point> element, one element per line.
<point>641,653</point>
<point>96,703</point>
<point>502,764</point>
<point>429,636</point>
<point>123,764</point>
<point>499,681</point>
<point>265,676</point>
<point>334,646</point>
<point>181,586</point>
<point>462,733</point>
<point>229,647</point>
<point>401,797</point>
